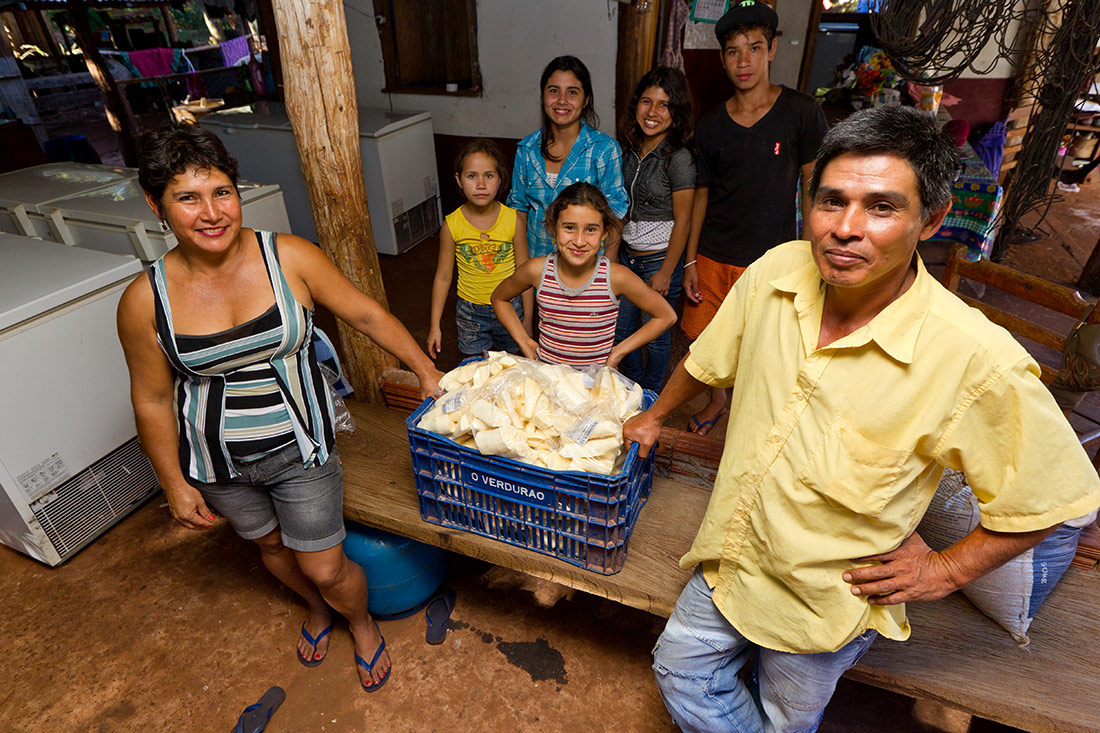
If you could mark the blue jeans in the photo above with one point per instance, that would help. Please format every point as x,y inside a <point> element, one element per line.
<point>650,370</point>
<point>699,655</point>
<point>479,330</point>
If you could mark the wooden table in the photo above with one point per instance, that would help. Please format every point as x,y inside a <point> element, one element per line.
<point>379,491</point>
<point>956,655</point>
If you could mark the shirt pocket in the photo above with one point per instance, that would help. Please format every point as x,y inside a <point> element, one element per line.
<point>853,471</point>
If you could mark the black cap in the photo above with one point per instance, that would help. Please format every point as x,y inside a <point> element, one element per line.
<point>746,12</point>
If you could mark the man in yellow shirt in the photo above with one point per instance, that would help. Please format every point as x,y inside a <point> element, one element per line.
<point>857,378</point>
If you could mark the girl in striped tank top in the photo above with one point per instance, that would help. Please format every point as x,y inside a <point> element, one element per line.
<point>578,289</point>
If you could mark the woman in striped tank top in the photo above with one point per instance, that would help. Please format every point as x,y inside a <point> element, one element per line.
<point>229,399</point>
<point>578,289</point>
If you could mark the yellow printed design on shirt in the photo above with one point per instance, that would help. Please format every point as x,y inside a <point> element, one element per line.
<point>483,257</point>
<point>484,254</point>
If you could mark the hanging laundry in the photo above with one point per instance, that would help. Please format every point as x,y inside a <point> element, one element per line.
<point>235,50</point>
<point>673,52</point>
<point>152,62</point>
<point>991,147</point>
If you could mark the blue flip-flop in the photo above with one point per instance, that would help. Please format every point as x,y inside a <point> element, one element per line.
<point>698,427</point>
<point>255,717</point>
<point>374,660</point>
<point>310,661</point>
<point>437,613</point>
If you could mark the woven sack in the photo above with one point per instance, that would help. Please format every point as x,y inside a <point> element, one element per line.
<point>1012,593</point>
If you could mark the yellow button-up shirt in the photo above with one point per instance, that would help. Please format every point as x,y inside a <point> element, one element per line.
<point>834,453</point>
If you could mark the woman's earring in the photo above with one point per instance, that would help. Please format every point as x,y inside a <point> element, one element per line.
<point>164,225</point>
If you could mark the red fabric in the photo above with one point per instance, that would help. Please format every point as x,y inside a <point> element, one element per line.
<point>716,280</point>
<point>152,61</point>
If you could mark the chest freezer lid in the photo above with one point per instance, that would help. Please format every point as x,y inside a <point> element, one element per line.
<point>377,123</point>
<point>258,116</point>
<point>123,204</point>
<point>41,184</point>
<point>373,122</point>
<point>37,276</point>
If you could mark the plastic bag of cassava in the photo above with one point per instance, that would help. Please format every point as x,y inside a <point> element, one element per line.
<point>547,415</point>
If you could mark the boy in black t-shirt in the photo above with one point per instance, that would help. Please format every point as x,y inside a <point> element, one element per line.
<point>751,152</point>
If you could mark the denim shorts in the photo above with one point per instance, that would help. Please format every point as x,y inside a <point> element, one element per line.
<point>479,330</point>
<point>305,503</point>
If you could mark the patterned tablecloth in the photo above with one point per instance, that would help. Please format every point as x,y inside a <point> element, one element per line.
<point>976,201</point>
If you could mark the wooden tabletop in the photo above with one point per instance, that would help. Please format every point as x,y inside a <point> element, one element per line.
<point>379,491</point>
<point>956,656</point>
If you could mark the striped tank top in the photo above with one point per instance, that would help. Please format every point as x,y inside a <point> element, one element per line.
<point>226,372</point>
<point>256,421</point>
<point>576,325</point>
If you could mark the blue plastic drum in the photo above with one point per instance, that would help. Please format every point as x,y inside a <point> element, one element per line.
<point>402,574</point>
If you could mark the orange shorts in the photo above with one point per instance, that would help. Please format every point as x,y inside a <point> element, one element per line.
<point>715,281</point>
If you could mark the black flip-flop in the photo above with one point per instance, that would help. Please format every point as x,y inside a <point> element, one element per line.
<point>438,612</point>
<point>255,716</point>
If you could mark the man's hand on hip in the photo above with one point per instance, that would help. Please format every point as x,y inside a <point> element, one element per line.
<point>913,572</point>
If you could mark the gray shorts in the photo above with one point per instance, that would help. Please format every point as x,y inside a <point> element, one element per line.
<point>277,491</point>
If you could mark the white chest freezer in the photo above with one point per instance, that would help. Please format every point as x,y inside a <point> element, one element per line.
<point>70,466</point>
<point>116,218</point>
<point>25,193</point>
<point>399,168</point>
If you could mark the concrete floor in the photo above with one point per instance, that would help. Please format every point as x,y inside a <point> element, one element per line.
<point>154,627</point>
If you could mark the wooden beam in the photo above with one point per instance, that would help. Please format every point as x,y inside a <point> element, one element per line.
<point>808,46</point>
<point>170,25</point>
<point>271,37</point>
<point>1090,275</point>
<point>636,52</point>
<point>321,104</point>
<point>119,114</point>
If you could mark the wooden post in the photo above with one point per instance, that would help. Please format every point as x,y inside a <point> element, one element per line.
<point>215,31</point>
<point>1090,275</point>
<point>636,53</point>
<point>808,47</point>
<point>170,26</point>
<point>321,104</point>
<point>271,36</point>
<point>119,115</point>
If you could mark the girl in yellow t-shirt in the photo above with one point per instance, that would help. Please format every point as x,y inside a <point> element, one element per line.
<point>480,237</point>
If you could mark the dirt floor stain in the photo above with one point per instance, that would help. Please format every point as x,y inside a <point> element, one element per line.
<point>536,658</point>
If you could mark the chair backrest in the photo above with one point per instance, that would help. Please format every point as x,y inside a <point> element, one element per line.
<point>1016,123</point>
<point>1023,286</point>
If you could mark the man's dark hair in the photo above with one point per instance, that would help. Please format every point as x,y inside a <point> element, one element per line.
<point>906,132</point>
<point>767,30</point>
<point>169,151</point>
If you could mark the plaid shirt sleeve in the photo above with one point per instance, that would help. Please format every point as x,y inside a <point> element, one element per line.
<point>517,193</point>
<point>607,163</point>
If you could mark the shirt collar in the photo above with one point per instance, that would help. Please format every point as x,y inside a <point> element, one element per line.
<point>895,329</point>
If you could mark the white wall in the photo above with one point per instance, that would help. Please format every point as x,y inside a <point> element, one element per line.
<point>988,60</point>
<point>515,40</point>
<point>794,16</point>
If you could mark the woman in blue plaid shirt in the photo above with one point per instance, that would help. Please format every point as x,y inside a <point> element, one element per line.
<point>566,149</point>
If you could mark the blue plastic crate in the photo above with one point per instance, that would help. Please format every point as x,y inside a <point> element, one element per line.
<point>582,518</point>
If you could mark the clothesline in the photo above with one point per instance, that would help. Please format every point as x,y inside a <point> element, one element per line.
<point>233,51</point>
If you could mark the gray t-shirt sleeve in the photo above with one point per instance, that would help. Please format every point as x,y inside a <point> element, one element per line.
<point>681,170</point>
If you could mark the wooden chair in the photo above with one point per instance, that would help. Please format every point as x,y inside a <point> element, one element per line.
<point>1016,123</point>
<point>1032,290</point>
